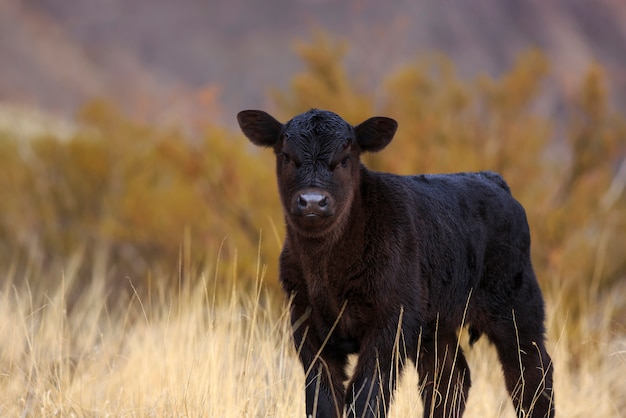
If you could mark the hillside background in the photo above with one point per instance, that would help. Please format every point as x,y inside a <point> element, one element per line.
<point>153,57</point>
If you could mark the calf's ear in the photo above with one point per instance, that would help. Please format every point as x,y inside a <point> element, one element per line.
<point>260,127</point>
<point>375,133</point>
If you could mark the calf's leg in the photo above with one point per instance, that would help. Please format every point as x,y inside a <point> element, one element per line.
<point>324,392</point>
<point>324,368</point>
<point>445,376</point>
<point>381,360</point>
<point>527,371</point>
<point>516,329</point>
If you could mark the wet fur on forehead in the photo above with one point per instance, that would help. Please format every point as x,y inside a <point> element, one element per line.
<point>318,131</point>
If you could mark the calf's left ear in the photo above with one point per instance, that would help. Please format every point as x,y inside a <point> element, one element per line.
<point>375,133</point>
<point>260,127</point>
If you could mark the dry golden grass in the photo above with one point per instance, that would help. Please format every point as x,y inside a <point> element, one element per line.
<point>190,355</point>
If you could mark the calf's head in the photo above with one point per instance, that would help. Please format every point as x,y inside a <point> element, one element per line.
<point>317,162</point>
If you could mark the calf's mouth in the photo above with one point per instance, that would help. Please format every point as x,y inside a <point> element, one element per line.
<point>312,207</point>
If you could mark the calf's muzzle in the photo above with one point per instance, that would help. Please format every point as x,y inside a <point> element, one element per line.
<point>313,203</point>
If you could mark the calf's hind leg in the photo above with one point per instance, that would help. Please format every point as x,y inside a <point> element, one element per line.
<point>525,362</point>
<point>445,376</point>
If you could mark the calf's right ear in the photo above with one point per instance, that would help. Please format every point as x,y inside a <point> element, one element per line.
<point>260,127</point>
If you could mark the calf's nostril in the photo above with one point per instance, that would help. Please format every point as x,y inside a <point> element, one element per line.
<point>323,202</point>
<point>302,202</point>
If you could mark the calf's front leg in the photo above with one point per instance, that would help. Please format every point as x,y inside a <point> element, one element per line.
<point>374,381</point>
<point>324,369</point>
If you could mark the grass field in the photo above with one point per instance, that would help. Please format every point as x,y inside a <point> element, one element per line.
<point>188,354</point>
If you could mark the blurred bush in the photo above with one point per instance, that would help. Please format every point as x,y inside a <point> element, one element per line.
<point>142,198</point>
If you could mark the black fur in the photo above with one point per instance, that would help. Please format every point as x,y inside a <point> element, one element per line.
<point>389,267</point>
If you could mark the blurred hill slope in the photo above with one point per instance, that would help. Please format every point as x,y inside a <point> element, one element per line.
<point>152,55</point>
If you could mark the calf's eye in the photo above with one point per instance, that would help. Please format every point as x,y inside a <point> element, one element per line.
<point>344,161</point>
